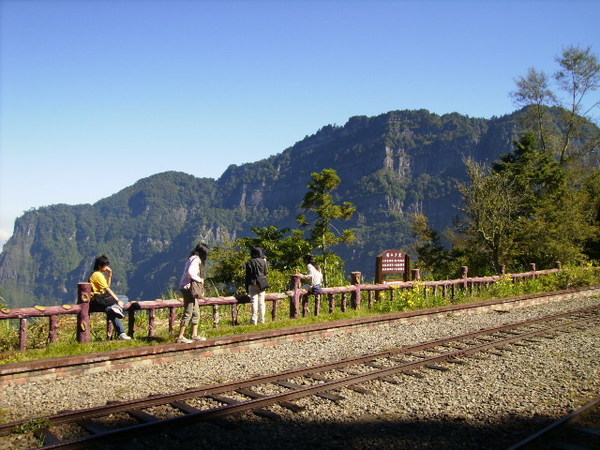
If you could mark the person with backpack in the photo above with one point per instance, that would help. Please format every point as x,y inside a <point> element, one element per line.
<point>193,273</point>
<point>256,283</point>
<point>104,299</point>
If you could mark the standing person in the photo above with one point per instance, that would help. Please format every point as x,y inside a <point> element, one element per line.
<point>315,275</point>
<point>194,270</point>
<point>256,283</point>
<point>104,299</point>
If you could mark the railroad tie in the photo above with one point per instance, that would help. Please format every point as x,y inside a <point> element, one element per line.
<point>412,373</point>
<point>505,349</point>
<point>398,360</point>
<point>254,395</point>
<point>482,358</point>
<point>326,395</point>
<point>142,416</point>
<point>47,437</point>
<point>92,427</point>
<point>259,412</point>
<point>456,361</point>
<point>436,367</point>
<point>374,365</point>
<point>352,387</point>
<point>189,409</point>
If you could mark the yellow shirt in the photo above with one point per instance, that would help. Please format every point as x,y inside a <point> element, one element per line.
<point>99,283</point>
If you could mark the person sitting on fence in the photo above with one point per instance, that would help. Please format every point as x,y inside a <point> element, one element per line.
<point>256,283</point>
<point>315,275</point>
<point>104,299</point>
<point>193,272</point>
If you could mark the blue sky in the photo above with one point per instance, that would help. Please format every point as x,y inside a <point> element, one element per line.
<point>96,94</point>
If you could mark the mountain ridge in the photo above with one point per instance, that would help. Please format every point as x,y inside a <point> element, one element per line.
<point>391,165</point>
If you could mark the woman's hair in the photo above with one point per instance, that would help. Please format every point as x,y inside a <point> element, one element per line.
<point>200,250</point>
<point>256,252</point>
<point>310,259</point>
<point>100,262</point>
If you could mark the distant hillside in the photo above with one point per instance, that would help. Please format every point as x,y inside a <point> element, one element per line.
<point>390,165</point>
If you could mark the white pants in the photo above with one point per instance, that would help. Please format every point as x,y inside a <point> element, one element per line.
<point>258,304</point>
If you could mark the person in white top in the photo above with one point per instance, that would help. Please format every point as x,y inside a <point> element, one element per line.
<point>315,275</point>
<point>193,271</point>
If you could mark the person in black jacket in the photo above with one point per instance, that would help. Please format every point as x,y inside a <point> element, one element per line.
<point>256,283</point>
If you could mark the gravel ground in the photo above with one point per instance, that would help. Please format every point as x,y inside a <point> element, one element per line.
<point>486,404</point>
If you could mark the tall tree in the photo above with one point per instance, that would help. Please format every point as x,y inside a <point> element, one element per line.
<point>319,203</point>
<point>570,137</point>
<point>533,90</point>
<point>579,75</point>
<point>490,204</point>
<point>524,210</point>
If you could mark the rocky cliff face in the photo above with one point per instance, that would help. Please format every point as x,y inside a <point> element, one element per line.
<point>390,165</point>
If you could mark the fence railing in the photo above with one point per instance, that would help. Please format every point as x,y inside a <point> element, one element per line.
<point>298,297</point>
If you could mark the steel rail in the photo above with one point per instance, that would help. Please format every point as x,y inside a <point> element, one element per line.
<point>544,432</point>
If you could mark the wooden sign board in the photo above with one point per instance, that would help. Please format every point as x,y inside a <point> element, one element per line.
<point>392,265</point>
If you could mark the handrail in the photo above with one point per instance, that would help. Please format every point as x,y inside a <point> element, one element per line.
<point>297,296</point>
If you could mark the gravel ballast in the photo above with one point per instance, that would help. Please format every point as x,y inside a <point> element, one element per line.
<point>487,403</point>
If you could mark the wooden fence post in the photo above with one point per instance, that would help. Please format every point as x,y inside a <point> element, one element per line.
<point>133,307</point>
<point>234,314</point>
<point>152,323</point>
<point>356,281</point>
<point>465,275</point>
<point>216,316</point>
<point>84,295</point>
<point>22,334</point>
<point>533,269</point>
<point>172,320</point>
<point>305,299</point>
<point>295,282</point>
<point>53,329</point>
<point>317,304</point>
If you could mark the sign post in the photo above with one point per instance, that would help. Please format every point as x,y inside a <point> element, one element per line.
<point>392,265</point>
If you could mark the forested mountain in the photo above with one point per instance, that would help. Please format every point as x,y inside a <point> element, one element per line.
<point>390,165</point>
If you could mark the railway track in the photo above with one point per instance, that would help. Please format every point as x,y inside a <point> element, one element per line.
<point>124,421</point>
<point>580,429</point>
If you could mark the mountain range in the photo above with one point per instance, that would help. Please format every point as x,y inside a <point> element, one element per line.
<point>391,165</point>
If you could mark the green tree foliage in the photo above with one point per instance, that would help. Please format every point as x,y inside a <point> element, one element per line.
<point>490,205</point>
<point>435,260</point>
<point>319,201</point>
<point>553,222</point>
<point>523,210</point>
<point>539,203</point>
<point>283,249</point>
<point>533,90</point>
<point>320,204</point>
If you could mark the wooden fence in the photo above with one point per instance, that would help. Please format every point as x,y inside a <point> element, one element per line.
<point>299,301</point>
